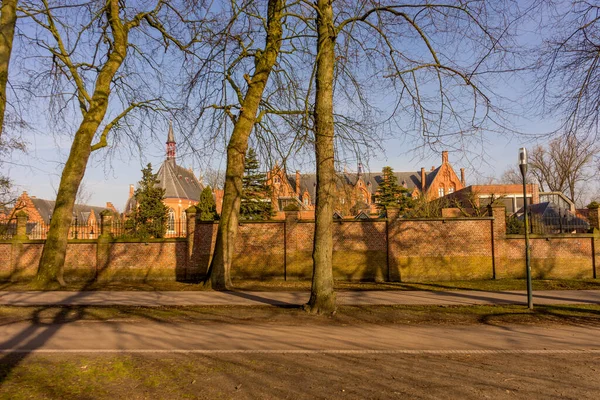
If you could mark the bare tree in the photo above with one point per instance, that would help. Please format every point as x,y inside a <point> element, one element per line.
<point>213,178</point>
<point>322,295</point>
<point>564,165</point>
<point>94,49</point>
<point>245,71</point>
<point>568,82</point>
<point>512,176</point>
<point>8,20</point>
<point>434,62</point>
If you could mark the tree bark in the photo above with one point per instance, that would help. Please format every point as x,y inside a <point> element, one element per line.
<point>219,273</point>
<point>8,20</point>
<point>55,248</point>
<point>322,296</point>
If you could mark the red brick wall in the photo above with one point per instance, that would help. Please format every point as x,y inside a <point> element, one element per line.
<point>5,260</point>
<point>164,259</point>
<point>450,249</point>
<point>80,261</point>
<point>551,257</point>
<point>417,250</point>
<point>259,251</point>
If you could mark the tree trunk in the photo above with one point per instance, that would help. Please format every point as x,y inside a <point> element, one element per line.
<point>53,256</point>
<point>55,248</point>
<point>322,296</point>
<point>8,20</point>
<point>219,273</point>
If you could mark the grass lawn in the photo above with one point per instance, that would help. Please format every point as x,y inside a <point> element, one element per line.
<point>298,376</point>
<point>280,285</point>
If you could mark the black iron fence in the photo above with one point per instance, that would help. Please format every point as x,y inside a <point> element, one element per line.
<point>123,229</point>
<point>547,225</point>
<point>567,223</point>
<point>8,230</point>
<point>127,229</point>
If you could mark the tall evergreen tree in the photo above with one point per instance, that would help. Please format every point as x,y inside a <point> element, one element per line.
<point>390,194</point>
<point>207,208</point>
<point>150,216</point>
<point>256,194</point>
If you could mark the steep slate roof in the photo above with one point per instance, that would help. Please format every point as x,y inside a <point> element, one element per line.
<point>81,211</point>
<point>178,182</point>
<point>412,179</point>
<point>308,182</point>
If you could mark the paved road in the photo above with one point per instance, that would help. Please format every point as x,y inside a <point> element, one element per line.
<point>152,336</point>
<point>461,297</point>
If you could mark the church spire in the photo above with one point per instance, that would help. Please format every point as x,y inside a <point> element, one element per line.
<point>170,143</point>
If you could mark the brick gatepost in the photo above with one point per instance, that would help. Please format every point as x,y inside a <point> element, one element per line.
<point>17,241</point>
<point>497,212</point>
<point>392,224</point>
<point>290,246</point>
<point>190,215</point>
<point>104,242</point>
<point>594,218</point>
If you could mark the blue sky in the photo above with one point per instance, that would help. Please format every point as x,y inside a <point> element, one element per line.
<point>38,171</point>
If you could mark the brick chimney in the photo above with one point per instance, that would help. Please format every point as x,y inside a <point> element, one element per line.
<point>423,180</point>
<point>131,191</point>
<point>297,184</point>
<point>462,177</point>
<point>432,168</point>
<point>444,157</point>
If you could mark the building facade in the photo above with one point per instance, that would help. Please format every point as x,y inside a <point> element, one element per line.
<point>355,192</point>
<point>182,189</point>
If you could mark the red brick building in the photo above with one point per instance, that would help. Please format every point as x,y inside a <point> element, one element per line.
<point>39,213</point>
<point>356,191</point>
<point>182,188</point>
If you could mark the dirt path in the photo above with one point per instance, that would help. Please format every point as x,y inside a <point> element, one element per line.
<point>157,360</point>
<point>123,336</point>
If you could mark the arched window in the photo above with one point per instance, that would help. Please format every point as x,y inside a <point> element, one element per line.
<point>171,221</point>
<point>441,191</point>
<point>451,188</point>
<point>183,223</point>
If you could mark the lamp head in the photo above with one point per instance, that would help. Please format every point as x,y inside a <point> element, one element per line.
<point>523,162</point>
<point>522,156</point>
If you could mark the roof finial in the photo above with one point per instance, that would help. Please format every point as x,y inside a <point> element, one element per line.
<point>171,136</point>
<point>170,142</point>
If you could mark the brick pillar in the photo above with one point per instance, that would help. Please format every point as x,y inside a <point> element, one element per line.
<point>17,245</point>
<point>392,225</point>
<point>594,217</point>
<point>21,233</point>
<point>190,220</point>
<point>103,243</point>
<point>498,213</point>
<point>106,220</point>
<point>289,244</point>
<point>595,253</point>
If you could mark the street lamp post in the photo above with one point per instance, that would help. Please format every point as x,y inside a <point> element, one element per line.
<point>523,168</point>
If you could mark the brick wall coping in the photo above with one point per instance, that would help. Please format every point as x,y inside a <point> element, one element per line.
<point>267,221</point>
<point>28,241</point>
<point>552,236</point>
<point>447,219</point>
<point>132,240</point>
